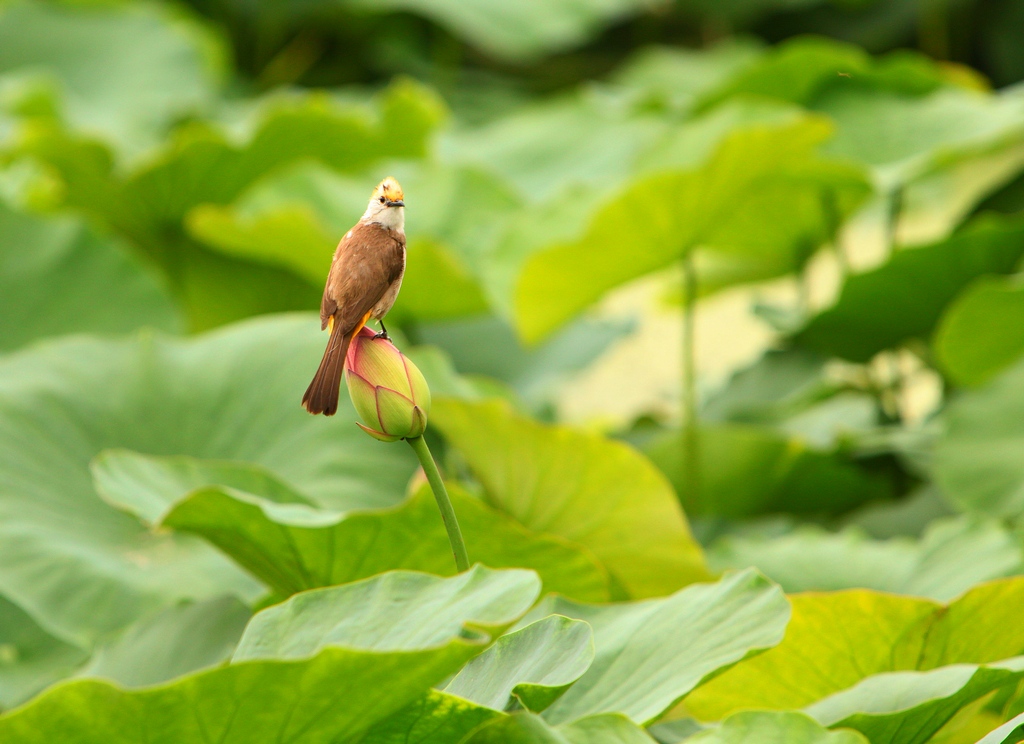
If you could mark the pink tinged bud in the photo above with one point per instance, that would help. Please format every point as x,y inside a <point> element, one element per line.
<point>387,390</point>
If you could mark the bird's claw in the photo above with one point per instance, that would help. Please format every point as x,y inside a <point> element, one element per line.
<point>383,334</point>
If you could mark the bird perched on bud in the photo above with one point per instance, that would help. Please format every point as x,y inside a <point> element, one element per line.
<point>365,276</point>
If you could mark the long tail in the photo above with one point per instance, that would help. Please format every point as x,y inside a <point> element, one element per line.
<point>322,394</point>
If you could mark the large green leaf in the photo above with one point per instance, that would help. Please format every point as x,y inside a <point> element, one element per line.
<point>595,492</point>
<point>769,727</point>
<point>979,457</point>
<point>905,517</point>
<point>517,32</point>
<point>675,730</point>
<point>935,204</point>
<point>290,236</point>
<point>570,199</point>
<point>123,71</point>
<point>800,70</point>
<point>978,335</point>
<point>650,654</point>
<point>935,155</point>
<point>759,197</point>
<point>905,297</point>
<point>1009,733</point>
<point>48,266</point>
<point>290,545</point>
<point>524,728</point>
<point>779,384</point>
<point>910,707</point>
<point>936,134</point>
<point>880,633</point>
<point>532,666</point>
<point>395,611</point>
<point>744,469</point>
<point>80,567</point>
<point>149,486</point>
<point>434,718</point>
<point>565,153</point>
<point>180,639</point>
<point>675,78</point>
<point>30,658</point>
<point>298,549</point>
<point>903,137</point>
<point>951,557</point>
<point>553,150</point>
<point>241,703</point>
<point>426,631</point>
<point>437,285</point>
<point>7,126</point>
<point>795,392</point>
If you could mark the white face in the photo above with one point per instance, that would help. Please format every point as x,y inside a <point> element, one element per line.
<point>392,218</point>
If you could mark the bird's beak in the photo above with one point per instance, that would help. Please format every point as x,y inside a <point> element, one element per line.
<point>398,203</point>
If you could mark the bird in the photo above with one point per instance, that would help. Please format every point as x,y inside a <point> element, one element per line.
<point>363,282</point>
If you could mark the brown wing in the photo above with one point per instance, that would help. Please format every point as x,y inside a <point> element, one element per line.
<point>367,261</point>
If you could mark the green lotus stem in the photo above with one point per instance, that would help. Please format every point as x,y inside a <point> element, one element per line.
<point>892,390</point>
<point>419,446</point>
<point>690,433</point>
<point>896,204</point>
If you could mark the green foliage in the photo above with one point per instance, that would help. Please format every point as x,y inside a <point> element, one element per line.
<point>204,165</point>
<point>1009,733</point>
<point>771,727</point>
<point>876,312</point>
<point>533,665</point>
<point>803,69</point>
<point>485,346</point>
<point>434,718</point>
<point>286,219</point>
<point>124,72</point>
<point>599,494</point>
<point>292,545</point>
<point>240,702</point>
<point>746,470</point>
<point>525,30</point>
<point>523,728</point>
<point>178,640</point>
<point>723,205</point>
<point>976,460</point>
<point>293,691</point>
<point>186,555</point>
<point>82,568</point>
<point>883,633</point>
<point>976,337</point>
<point>34,658</point>
<point>47,266</point>
<point>951,557</point>
<point>459,607</point>
<point>650,654</point>
<point>912,706</point>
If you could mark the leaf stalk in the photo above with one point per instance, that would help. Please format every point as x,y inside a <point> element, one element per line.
<point>419,446</point>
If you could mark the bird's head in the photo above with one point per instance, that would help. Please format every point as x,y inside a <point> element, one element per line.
<point>386,205</point>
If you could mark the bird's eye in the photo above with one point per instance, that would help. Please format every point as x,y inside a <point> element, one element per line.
<point>382,200</point>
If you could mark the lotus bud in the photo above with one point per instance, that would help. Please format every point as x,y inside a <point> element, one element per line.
<point>387,390</point>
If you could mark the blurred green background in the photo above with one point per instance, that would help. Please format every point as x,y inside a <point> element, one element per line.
<point>772,244</point>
